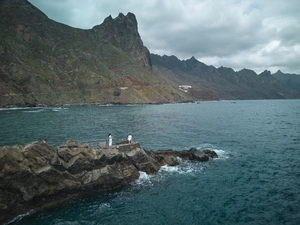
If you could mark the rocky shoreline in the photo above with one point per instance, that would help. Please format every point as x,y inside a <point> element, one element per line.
<point>9,106</point>
<point>38,176</point>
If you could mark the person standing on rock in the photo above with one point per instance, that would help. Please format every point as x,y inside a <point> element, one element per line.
<point>129,138</point>
<point>44,141</point>
<point>110,137</point>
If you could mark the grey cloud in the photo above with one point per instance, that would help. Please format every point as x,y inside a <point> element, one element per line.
<point>289,35</point>
<point>231,33</point>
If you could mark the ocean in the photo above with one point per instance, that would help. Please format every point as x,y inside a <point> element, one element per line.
<point>255,180</point>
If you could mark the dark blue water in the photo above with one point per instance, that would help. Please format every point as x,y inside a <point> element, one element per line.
<point>256,180</point>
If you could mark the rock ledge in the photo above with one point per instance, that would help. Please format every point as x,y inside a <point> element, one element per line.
<point>37,176</point>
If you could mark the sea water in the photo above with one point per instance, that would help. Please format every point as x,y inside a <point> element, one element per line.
<point>255,180</point>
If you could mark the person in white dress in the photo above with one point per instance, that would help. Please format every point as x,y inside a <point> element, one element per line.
<point>129,138</point>
<point>110,137</point>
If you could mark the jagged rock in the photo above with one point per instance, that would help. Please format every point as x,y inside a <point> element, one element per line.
<point>38,176</point>
<point>169,157</point>
<point>122,32</point>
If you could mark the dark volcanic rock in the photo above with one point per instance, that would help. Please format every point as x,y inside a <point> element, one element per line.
<point>37,176</point>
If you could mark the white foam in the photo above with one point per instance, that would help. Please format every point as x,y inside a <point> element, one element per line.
<point>221,153</point>
<point>144,178</point>
<point>169,168</point>
<point>59,109</point>
<point>33,111</point>
<point>19,108</point>
<point>103,206</point>
<point>185,167</point>
<point>19,217</point>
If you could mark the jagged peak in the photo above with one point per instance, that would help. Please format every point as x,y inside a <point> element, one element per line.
<point>246,72</point>
<point>131,15</point>
<point>265,73</point>
<point>228,69</point>
<point>127,21</point>
<point>107,19</point>
<point>122,32</point>
<point>193,59</point>
<point>121,15</point>
<point>187,62</point>
<point>279,72</point>
<point>172,57</point>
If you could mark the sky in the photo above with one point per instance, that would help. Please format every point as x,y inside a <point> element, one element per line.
<point>252,34</point>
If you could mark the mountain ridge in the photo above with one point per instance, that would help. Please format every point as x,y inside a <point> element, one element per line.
<point>223,82</point>
<point>290,80</point>
<point>44,62</point>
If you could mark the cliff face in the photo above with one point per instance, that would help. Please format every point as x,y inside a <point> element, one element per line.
<point>37,176</point>
<point>45,62</point>
<point>122,32</point>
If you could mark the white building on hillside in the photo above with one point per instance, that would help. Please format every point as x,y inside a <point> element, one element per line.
<point>184,88</point>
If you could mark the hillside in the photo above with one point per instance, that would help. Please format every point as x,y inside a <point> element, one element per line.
<point>221,83</point>
<point>45,62</point>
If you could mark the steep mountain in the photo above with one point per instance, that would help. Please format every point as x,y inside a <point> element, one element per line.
<point>290,80</point>
<point>45,62</point>
<point>222,82</point>
<point>122,32</point>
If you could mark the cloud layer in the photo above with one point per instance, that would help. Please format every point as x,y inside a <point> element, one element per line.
<point>255,34</point>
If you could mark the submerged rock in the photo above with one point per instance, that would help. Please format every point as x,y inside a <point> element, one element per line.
<point>37,176</point>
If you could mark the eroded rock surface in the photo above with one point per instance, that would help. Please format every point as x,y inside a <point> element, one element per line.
<point>37,176</point>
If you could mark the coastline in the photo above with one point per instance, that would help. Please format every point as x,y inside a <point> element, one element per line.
<point>91,104</point>
<point>129,104</point>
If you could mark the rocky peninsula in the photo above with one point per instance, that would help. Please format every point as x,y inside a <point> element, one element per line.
<point>38,176</point>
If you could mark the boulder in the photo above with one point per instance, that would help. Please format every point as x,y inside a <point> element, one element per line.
<point>37,176</point>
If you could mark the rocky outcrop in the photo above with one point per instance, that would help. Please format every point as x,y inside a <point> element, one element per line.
<point>37,176</point>
<point>122,32</point>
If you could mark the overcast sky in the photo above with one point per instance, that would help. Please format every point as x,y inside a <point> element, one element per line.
<point>258,34</point>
